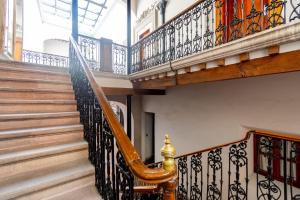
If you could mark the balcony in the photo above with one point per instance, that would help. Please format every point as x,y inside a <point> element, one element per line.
<point>212,34</point>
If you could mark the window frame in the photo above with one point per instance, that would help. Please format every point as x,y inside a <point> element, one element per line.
<point>277,162</point>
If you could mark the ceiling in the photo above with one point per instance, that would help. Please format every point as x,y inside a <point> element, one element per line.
<point>59,12</point>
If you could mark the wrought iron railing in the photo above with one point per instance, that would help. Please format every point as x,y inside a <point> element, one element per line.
<point>119,55</point>
<point>44,59</point>
<point>227,172</point>
<point>110,150</point>
<point>207,24</point>
<point>91,50</point>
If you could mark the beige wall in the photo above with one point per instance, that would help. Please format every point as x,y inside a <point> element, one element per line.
<point>203,115</point>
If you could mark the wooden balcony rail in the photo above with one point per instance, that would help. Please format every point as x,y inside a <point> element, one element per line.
<point>276,162</point>
<point>102,131</point>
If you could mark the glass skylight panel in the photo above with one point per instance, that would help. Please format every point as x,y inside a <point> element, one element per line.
<point>63,6</point>
<point>89,22</point>
<point>82,4</point>
<point>48,9</point>
<point>89,11</point>
<point>94,8</point>
<point>62,13</point>
<point>81,12</point>
<point>90,15</point>
<point>49,2</point>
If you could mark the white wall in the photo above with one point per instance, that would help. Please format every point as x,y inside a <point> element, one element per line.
<point>57,47</point>
<point>173,7</point>
<point>208,114</point>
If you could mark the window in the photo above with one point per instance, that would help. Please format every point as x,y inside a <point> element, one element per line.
<point>269,156</point>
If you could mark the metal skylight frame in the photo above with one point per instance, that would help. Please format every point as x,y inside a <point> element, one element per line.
<point>89,11</point>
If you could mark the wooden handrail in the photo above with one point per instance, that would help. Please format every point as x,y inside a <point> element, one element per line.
<point>132,158</point>
<point>266,133</point>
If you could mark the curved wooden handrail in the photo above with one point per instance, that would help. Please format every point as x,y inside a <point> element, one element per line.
<point>132,158</point>
<point>266,133</point>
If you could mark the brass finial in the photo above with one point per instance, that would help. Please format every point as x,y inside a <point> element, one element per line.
<point>168,151</point>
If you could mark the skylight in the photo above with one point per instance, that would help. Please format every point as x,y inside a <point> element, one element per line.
<point>59,12</point>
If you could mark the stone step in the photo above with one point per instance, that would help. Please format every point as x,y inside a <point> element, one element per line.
<point>12,106</point>
<point>33,132</point>
<point>23,83</point>
<point>46,181</point>
<point>38,141</point>
<point>36,94</point>
<point>88,192</point>
<point>16,72</point>
<point>37,120</point>
<point>26,161</point>
<point>33,66</point>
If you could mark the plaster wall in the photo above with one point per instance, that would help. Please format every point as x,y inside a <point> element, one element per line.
<point>208,114</point>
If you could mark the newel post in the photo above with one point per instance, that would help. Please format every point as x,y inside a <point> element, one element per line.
<point>106,57</point>
<point>168,151</point>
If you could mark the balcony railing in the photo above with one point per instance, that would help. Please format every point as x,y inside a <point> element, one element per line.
<point>265,170</point>
<point>44,59</point>
<point>112,58</point>
<point>207,24</point>
<point>104,55</point>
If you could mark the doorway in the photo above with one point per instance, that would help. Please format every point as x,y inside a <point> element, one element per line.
<point>149,138</point>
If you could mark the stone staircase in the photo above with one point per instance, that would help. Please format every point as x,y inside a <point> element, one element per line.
<point>42,151</point>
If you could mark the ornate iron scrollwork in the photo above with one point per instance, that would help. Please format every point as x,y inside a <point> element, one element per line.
<point>275,10</point>
<point>238,158</point>
<point>267,188</point>
<point>295,14</point>
<point>44,59</point>
<point>183,180</point>
<point>196,174</point>
<point>214,166</point>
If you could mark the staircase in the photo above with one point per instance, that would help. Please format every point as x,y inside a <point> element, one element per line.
<point>42,151</point>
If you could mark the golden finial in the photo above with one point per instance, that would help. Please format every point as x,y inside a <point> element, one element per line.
<point>168,151</point>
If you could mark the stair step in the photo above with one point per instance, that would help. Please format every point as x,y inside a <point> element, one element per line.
<point>36,94</point>
<point>23,83</point>
<point>46,151</point>
<point>37,106</point>
<point>39,141</point>
<point>26,161</point>
<point>39,131</point>
<point>17,72</point>
<point>18,64</point>
<point>42,179</point>
<point>37,120</point>
<point>87,193</point>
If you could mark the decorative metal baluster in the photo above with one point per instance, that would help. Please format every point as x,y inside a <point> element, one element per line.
<point>266,188</point>
<point>208,35</point>
<point>295,14</point>
<point>275,13</point>
<point>125,180</point>
<point>182,191</point>
<point>236,24</point>
<point>196,171</point>
<point>221,28</point>
<point>170,42</point>
<point>187,45</point>
<point>294,160</point>
<point>197,17</point>
<point>254,20</point>
<point>179,46</point>
<point>214,166</point>
<point>238,158</point>
<point>109,188</point>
